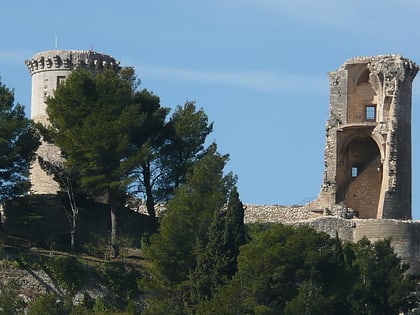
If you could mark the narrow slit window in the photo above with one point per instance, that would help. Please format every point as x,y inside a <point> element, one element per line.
<point>60,79</point>
<point>370,112</point>
<point>354,171</point>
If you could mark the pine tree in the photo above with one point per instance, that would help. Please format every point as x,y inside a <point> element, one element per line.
<point>91,118</point>
<point>186,224</point>
<point>18,143</point>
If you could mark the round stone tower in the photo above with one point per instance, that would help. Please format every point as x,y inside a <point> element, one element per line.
<point>48,70</point>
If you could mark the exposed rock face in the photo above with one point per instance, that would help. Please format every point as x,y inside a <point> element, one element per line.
<point>34,283</point>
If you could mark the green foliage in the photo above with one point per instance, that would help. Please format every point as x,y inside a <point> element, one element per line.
<point>46,304</point>
<point>186,224</point>
<point>92,118</point>
<point>381,287</point>
<point>122,281</point>
<point>212,261</point>
<point>286,270</point>
<point>165,151</point>
<point>18,143</point>
<point>101,306</point>
<point>234,231</point>
<point>186,133</point>
<point>67,271</point>
<point>10,301</point>
<point>216,255</point>
<point>98,246</point>
<point>146,140</point>
<point>189,215</point>
<point>278,260</point>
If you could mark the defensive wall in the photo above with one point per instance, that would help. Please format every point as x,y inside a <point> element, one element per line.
<point>404,234</point>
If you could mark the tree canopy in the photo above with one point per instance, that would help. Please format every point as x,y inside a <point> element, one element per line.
<point>18,143</point>
<point>116,139</point>
<point>289,270</point>
<point>91,118</point>
<point>173,250</point>
<point>165,150</point>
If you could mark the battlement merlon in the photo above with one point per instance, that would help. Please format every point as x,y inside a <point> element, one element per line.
<point>52,60</point>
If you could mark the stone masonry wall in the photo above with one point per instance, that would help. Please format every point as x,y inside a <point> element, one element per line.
<point>404,234</point>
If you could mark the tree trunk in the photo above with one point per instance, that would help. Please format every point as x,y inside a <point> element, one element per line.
<point>114,242</point>
<point>72,237</point>
<point>150,201</point>
<point>74,214</point>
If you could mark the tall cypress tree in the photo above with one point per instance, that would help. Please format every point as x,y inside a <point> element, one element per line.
<point>234,234</point>
<point>212,261</point>
<point>216,256</point>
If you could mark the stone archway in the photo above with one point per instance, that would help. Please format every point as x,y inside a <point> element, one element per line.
<point>363,170</point>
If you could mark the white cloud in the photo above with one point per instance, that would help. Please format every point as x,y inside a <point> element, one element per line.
<point>367,18</point>
<point>263,81</point>
<point>14,56</point>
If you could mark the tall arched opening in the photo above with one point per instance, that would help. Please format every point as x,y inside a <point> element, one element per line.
<point>363,176</point>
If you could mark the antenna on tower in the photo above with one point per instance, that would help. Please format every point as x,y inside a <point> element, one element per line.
<point>56,42</point>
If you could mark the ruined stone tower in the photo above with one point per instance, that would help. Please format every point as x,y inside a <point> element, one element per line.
<point>368,145</point>
<point>48,69</point>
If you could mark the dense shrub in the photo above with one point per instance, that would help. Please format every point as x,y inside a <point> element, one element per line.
<point>10,301</point>
<point>67,271</point>
<point>122,281</point>
<point>46,304</point>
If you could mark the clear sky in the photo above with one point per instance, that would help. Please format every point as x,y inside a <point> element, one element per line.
<point>257,67</point>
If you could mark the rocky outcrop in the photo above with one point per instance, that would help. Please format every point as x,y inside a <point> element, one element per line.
<point>36,282</point>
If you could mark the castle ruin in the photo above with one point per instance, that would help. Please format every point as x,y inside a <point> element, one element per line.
<point>366,187</point>
<point>48,70</point>
<point>367,152</point>
<point>368,145</point>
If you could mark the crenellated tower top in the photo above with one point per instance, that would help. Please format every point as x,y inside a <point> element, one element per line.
<point>69,60</point>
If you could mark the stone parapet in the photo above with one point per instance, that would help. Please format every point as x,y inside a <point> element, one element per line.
<point>70,60</point>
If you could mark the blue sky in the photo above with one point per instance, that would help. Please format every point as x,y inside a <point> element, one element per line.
<point>257,67</point>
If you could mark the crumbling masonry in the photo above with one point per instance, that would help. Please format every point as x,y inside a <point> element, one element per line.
<point>368,146</point>
<point>366,187</point>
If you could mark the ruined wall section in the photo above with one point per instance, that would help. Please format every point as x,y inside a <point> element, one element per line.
<point>370,103</point>
<point>394,76</point>
<point>404,235</point>
<point>337,117</point>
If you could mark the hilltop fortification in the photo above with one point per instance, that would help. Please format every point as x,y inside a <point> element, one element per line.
<point>366,185</point>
